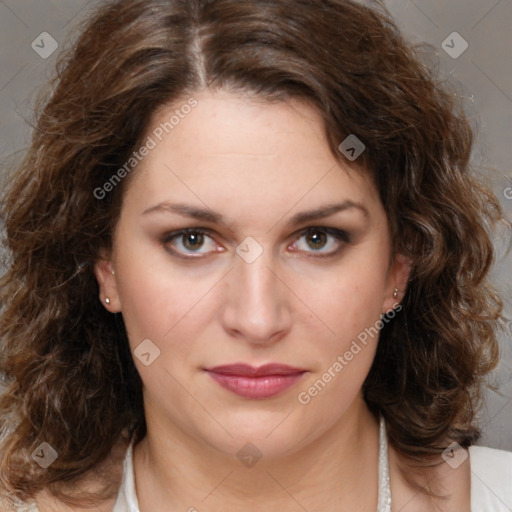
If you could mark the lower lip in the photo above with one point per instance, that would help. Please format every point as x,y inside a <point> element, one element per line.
<point>256,387</point>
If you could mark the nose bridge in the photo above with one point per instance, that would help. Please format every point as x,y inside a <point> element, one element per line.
<point>258,307</point>
<point>251,268</point>
<point>256,284</point>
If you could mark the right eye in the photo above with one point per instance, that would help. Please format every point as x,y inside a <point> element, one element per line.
<point>186,242</point>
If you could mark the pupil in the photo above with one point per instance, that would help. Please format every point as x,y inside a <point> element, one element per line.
<point>193,240</point>
<point>318,240</point>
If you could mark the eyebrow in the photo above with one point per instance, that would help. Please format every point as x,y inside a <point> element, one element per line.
<point>208,215</point>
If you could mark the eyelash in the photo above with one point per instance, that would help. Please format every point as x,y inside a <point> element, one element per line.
<point>340,235</point>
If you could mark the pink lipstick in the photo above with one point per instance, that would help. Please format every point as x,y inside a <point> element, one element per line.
<point>257,383</point>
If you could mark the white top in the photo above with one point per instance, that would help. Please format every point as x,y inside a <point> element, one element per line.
<point>491,482</point>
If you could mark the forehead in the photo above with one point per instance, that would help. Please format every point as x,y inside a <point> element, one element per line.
<point>231,151</point>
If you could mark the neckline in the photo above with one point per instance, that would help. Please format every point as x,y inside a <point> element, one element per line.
<point>127,499</point>
<point>384,493</point>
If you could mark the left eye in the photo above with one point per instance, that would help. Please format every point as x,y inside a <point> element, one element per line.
<point>326,241</point>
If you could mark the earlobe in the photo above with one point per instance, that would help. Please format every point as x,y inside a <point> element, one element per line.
<point>398,277</point>
<point>105,276</point>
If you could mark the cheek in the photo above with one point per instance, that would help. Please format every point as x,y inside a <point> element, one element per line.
<point>352,311</point>
<point>142,299</point>
<point>354,295</point>
<point>172,316</point>
<point>155,295</point>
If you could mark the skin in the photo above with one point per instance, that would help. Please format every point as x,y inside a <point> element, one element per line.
<point>257,164</point>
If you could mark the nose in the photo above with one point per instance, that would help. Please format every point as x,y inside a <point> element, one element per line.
<point>257,305</point>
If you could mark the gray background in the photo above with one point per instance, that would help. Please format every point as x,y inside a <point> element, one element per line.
<point>481,76</point>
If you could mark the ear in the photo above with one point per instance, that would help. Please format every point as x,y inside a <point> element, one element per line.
<point>396,284</point>
<point>105,275</point>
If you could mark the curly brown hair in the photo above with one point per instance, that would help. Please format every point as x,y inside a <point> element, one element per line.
<point>70,375</point>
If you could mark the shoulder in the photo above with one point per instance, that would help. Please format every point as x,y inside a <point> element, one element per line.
<point>100,484</point>
<point>491,479</point>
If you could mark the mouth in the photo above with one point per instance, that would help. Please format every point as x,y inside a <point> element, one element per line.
<point>256,383</point>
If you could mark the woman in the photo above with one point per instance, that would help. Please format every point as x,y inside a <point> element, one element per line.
<point>242,275</point>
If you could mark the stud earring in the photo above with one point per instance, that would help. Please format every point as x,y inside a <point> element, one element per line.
<point>395,293</point>
<point>107,300</point>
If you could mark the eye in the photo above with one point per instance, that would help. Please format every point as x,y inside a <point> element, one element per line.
<point>196,242</point>
<point>190,241</point>
<point>322,240</point>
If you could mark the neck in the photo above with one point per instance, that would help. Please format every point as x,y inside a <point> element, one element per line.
<point>336,470</point>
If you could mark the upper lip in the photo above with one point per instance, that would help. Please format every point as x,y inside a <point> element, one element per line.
<point>251,371</point>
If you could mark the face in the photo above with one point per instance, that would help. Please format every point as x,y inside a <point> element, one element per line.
<point>285,260</point>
